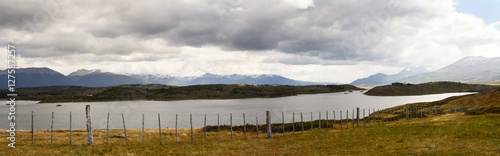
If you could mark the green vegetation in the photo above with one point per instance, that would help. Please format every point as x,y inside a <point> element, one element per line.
<point>169,93</point>
<point>450,134</point>
<point>400,89</point>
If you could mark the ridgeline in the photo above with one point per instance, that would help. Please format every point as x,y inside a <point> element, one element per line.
<point>55,94</point>
<point>405,89</point>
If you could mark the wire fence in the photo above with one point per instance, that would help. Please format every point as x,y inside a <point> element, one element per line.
<point>250,125</point>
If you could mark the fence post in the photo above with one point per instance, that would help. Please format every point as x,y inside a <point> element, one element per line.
<point>407,115</point>
<point>283,121</point>
<point>32,136</point>
<point>191,123</point>
<point>231,124</point>
<point>364,117</point>
<point>347,118</point>
<point>89,125</point>
<point>378,111</point>
<point>341,121</point>
<point>326,120</point>
<point>334,121</point>
<point>143,128</point>
<point>293,122</point>
<point>159,127</point>
<point>369,115</point>
<point>257,124</point>
<point>205,128</point>
<point>70,129</point>
<point>312,126</point>
<point>386,116</point>
<point>353,121</point>
<point>357,116</point>
<point>435,110</point>
<point>107,129</point>
<point>218,126</point>
<point>176,140</point>
<point>319,121</point>
<point>51,127</point>
<point>244,126</point>
<point>268,122</point>
<point>302,121</point>
<point>124,130</point>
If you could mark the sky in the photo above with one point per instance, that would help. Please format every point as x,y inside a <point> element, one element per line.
<point>309,40</point>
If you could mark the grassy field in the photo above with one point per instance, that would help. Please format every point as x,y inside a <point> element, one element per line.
<point>427,88</point>
<point>450,134</point>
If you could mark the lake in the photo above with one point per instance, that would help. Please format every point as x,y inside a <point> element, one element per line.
<point>133,110</point>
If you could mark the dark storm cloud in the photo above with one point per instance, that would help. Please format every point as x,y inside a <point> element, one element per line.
<point>330,30</point>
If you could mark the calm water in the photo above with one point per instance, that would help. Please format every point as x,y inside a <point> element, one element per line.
<point>133,110</point>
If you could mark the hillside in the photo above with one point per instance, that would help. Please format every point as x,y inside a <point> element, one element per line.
<point>168,93</point>
<point>400,89</point>
<point>468,69</point>
<point>383,79</point>
<point>35,77</point>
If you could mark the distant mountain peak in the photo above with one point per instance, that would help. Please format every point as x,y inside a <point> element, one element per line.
<point>83,72</point>
<point>410,70</point>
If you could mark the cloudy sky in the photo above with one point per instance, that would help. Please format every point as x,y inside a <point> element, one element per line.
<point>311,40</point>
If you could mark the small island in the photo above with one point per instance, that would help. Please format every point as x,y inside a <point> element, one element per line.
<point>405,89</point>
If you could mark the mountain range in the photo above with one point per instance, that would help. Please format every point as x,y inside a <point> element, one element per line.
<point>36,77</point>
<point>468,69</point>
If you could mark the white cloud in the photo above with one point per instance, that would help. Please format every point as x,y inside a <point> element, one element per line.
<point>307,40</point>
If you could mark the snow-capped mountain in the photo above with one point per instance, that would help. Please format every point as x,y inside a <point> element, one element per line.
<point>467,69</point>
<point>381,79</point>
<point>269,79</point>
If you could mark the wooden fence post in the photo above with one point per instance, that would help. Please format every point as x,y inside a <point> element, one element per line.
<point>268,122</point>
<point>364,117</point>
<point>436,111</point>
<point>107,129</point>
<point>231,124</point>
<point>326,120</point>
<point>369,115</point>
<point>353,118</point>
<point>218,126</point>
<point>124,130</point>
<point>293,122</point>
<point>302,121</point>
<point>191,123</point>
<point>455,108</point>
<point>244,126</point>
<point>334,121</point>
<point>70,117</point>
<point>205,128</point>
<point>89,125</point>
<point>319,121</point>
<point>378,112</point>
<point>176,140</point>
<point>143,128</point>
<point>357,115</point>
<point>283,121</point>
<point>32,132</point>
<point>341,121</point>
<point>407,115</point>
<point>312,126</point>
<point>159,127</point>
<point>257,124</point>
<point>347,118</point>
<point>51,127</point>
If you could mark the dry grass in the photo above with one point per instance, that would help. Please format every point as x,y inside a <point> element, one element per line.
<point>451,134</point>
